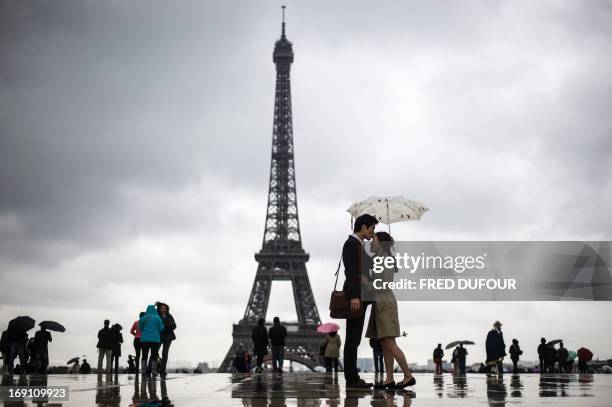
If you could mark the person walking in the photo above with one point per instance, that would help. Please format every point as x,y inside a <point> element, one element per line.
<point>562,355</point>
<point>16,339</point>
<point>116,346</point>
<point>151,327</point>
<point>542,355</point>
<point>260,343</point>
<point>242,360</point>
<point>455,360</point>
<point>384,319</point>
<point>353,258</point>
<point>515,353</point>
<point>461,356</point>
<point>438,354</point>
<point>136,333</point>
<point>42,338</point>
<point>332,352</point>
<point>85,367</point>
<point>105,346</point>
<point>277,334</point>
<point>377,354</point>
<point>496,348</point>
<point>167,335</point>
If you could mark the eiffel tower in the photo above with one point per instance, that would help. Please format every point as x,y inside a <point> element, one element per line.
<point>281,256</point>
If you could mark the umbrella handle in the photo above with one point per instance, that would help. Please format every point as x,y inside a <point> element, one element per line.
<point>388,218</point>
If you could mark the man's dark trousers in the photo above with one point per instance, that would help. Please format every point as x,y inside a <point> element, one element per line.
<point>354,329</point>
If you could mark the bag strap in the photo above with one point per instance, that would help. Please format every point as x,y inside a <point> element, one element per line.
<point>338,272</point>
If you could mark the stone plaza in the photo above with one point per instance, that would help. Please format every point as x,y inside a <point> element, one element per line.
<point>320,389</point>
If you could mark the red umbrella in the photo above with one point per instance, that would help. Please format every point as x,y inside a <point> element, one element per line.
<point>328,327</point>
<point>585,354</point>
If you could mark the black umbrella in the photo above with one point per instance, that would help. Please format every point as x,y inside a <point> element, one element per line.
<point>21,324</point>
<point>52,326</point>
<point>73,360</point>
<point>457,343</point>
<point>554,342</point>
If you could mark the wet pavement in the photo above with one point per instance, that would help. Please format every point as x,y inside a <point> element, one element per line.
<point>320,389</point>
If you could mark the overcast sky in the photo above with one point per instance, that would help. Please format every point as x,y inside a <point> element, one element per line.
<point>135,148</point>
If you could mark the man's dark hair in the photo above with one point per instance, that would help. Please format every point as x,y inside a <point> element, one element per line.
<point>276,320</point>
<point>261,322</point>
<point>543,340</point>
<point>106,322</point>
<point>439,345</point>
<point>367,220</point>
<point>142,314</point>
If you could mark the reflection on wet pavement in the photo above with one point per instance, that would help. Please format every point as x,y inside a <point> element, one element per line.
<point>319,389</point>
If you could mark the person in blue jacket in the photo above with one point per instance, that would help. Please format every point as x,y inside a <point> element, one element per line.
<point>150,326</point>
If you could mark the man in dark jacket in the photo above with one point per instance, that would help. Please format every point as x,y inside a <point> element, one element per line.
<point>515,354</point>
<point>562,355</point>
<point>16,338</point>
<point>542,355</point>
<point>355,261</point>
<point>496,348</point>
<point>461,356</point>
<point>260,343</point>
<point>277,335</point>
<point>105,346</point>
<point>438,354</point>
<point>167,335</point>
<point>42,338</point>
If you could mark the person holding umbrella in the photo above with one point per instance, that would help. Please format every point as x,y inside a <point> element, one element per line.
<point>42,338</point>
<point>332,346</point>
<point>17,338</point>
<point>384,318</point>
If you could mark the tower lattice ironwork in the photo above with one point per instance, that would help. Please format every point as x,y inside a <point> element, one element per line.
<point>282,256</point>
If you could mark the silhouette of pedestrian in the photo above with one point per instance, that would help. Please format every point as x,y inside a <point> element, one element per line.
<point>242,360</point>
<point>42,338</point>
<point>542,355</point>
<point>562,355</point>
<point>167,335</point>
<point>85,367</point>
<point>438,354</point>
<point>277,334</point>
<point>455,360</point>
<point>131,365</point>
<point>116,346</point>
<point>461,356</point>
<point>136,332</point>
<point>332,351</point>
<point>16,339</point>
<point>260,343</point>
<point>377,354</point>
<point>354,258</point>
<point>515,353</point>
<point>150,326</point>
<point>496,348</point>
<point>105,346</point>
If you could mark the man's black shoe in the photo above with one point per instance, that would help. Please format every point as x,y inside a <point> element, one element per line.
<point>359,385</point>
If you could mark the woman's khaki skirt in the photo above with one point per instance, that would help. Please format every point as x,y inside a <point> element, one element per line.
<point>384,319</point>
